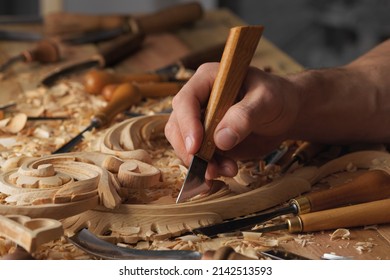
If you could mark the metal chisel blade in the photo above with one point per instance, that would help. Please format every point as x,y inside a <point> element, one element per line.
<point>195,182</point>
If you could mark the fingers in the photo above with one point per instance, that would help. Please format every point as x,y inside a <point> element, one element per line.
<point>184,129</point>
<point>261,111</point>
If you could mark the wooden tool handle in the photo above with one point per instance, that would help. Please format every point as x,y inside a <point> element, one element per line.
<point>195,59</point>
<point>239,49</point>
<point>45,51</point>
<point>96,80</point>
<point>372,185</point>
<point>170,18</point>
<point>370,213</point>
<point>61,23</point>
<point>119,48</point>
<point>128,94</point>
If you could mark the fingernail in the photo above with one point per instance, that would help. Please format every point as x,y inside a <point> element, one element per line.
<point>189,142</point>
<point>226,138</point>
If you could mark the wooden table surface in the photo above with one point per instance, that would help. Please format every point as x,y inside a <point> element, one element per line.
<point>159,50</point>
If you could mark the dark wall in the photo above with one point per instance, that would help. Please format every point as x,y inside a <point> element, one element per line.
<point>19,7</point>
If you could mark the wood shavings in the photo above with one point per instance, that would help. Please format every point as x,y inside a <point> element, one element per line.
<point>340,233</point>
<point>363,247</point>
<point>13,124</point>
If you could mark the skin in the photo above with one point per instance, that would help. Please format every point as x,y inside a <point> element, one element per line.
<point>347,104</point>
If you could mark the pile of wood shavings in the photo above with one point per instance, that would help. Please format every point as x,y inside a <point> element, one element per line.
<point>38,138</point>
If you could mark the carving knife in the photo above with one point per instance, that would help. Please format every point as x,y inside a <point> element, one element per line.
<point>370,186</point>
<point>125,95</point>
<point>88,242</point>
<point>239,49</point>
<point>109,54</point>
<point>370,213</point>
<point>20,36</point>
<point>95,80</point>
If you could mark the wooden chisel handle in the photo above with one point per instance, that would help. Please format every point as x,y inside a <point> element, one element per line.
<point>239,49</point>
<point>370,186</point>
<point>128,94</point>
<point>170,18</point>
<point>370,213</point>
<point>119,48</point>
<point>96,80</point>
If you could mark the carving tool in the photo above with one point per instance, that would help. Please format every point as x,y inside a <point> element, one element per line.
<point>124,97</point>
<point>370,186</point>
<point>109,26</point>
<point>239,49</point>
<point>96,80</point>
<point>370,213</point>
<point>109,54</point>
<point>45,52</point>
<point>304,153</point>
<point>20,36</point>
<point>95,246</point>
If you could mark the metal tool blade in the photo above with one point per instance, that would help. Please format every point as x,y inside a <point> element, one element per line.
<point>75,140</point>
<point>20,36</point>
<point>195,182</point>
<point>59,72</point>
<point>279,254</point>
<point>88,242</point>
<point>244,223</point>
<point>93,37</point>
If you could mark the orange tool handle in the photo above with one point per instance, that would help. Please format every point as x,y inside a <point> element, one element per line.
<point>239,49</point>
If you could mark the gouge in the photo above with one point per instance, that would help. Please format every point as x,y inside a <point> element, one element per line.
<point>305,152</point>
<point>45,52</point>
<point>95,246</point>
<point>95,80</point>
<point>370,213</point>
<point>237,55</point>
<point>108,55</point>
<point>125,95</point>
<point>370,186</point>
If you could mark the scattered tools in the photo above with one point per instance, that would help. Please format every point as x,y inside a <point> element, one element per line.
<point>370,213</point>
<point>108,55</point>
<point>96,80</point>
<point>88,242</point>
<point>240,47</point>
<point>125,96</point>
<point>109,26</point>
<point>304,153</point>
<point>45,51</point>
<point>370,186</point>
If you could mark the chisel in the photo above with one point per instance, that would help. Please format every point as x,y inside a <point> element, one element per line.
<point>305,152</point>
<point>370,186</point>
<point>45,52</point>
<point>239,49</point>
<point>95,80</point>
<point>125,96</point>
<point>108,55</point>
<point>370,213</point>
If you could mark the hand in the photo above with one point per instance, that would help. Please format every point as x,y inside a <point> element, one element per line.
<point>260,120</point>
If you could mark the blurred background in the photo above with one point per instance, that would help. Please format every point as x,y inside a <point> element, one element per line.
<point>316,33</point>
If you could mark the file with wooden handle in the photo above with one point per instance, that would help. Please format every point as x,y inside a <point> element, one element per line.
<point>239,49</point>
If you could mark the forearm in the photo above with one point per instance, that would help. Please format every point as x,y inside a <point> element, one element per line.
<point>346,104</point>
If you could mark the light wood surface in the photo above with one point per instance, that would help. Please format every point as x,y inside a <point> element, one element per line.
<point>159,50</point>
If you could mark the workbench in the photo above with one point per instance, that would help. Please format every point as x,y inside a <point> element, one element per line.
<point>159,50</point>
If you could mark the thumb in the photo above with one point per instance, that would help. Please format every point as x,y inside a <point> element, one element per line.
<point>233,128</point>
